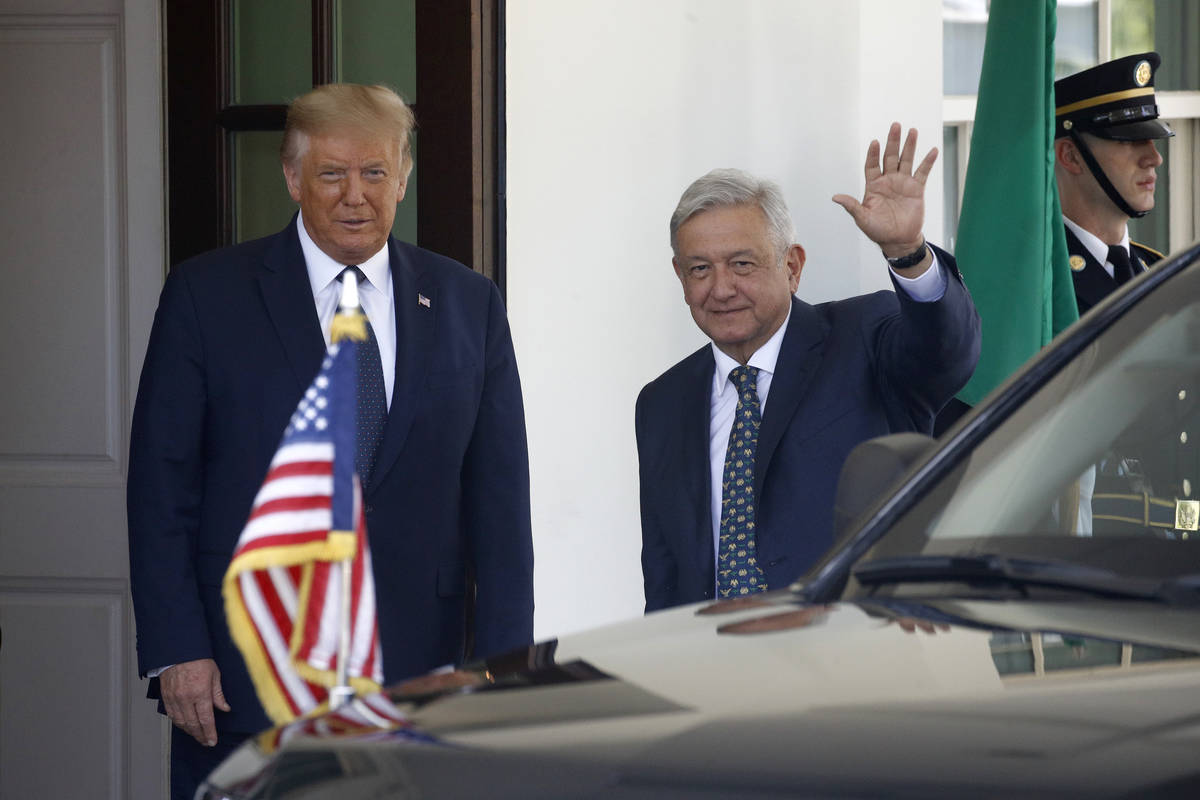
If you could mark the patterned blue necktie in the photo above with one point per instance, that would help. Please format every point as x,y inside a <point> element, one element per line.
<point>372,398</point>
<point>738,571</point>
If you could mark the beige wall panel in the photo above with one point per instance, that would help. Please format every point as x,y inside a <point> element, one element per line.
<point>47,533</point>
<point>59,330</point>
<point>82,229</point>
<point>48,753</point>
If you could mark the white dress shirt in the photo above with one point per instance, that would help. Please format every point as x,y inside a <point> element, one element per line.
<point>928,287</point>
<point>1095,245</point>
<point>375,296</point>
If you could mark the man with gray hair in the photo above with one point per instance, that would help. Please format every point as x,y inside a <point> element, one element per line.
<point>737,495</point>
<point>238,336</point>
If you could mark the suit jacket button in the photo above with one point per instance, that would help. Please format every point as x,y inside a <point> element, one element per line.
<point>367,509</point>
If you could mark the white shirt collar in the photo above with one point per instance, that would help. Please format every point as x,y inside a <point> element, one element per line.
<point>323,270</point>
<point>1094,244</point>
<point>764,358</point>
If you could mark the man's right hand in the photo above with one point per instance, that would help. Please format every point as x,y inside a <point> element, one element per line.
<point>189,692</point>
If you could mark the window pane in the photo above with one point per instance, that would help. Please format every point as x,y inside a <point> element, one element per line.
<point>964,32</point>
<point>1171,27</point>
<point>376,42</point>
<point>1108,435</point>
<point>1076,40</point>
<point>1077,652</point>
<point>260,193</point>
<point>1132,27</point>
<point>950,135</point>
<point>272,51</point>
<point>1143,654</point>
<point>404,227</point>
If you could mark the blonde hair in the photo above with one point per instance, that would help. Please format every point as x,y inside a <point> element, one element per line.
<point>348,106</point>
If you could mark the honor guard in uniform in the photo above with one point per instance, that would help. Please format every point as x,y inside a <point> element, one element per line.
<point>1105,158</point>
<point>1106,124</point>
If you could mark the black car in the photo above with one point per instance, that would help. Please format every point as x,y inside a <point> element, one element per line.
<point>1018,614</point>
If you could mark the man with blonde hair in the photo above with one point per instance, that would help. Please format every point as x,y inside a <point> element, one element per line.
<point>239,334</point>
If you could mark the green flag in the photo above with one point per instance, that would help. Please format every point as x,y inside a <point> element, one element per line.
<point>1011,247</point>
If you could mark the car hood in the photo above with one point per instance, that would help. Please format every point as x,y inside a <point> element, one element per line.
<point>775,698</point>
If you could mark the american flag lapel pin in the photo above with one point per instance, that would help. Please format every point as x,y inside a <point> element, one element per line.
<point>422,300</point>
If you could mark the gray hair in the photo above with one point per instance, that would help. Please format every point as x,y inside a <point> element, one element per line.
<point>727,188</point>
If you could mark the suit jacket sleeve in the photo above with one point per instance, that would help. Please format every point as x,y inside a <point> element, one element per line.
<point>495,487</point>
<point>927,353</point>
<point>164,486</point>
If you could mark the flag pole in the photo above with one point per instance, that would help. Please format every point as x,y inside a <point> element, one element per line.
<point>293,562</point>
<point>341,693</point>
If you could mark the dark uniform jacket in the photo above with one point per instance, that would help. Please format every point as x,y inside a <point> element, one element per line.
<point>1140,480</point>
<point>1092,281</point>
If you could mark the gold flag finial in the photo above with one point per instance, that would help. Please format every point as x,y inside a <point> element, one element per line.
<point>348,322</point>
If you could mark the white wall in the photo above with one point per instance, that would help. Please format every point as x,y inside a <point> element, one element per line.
<point>614,106</point>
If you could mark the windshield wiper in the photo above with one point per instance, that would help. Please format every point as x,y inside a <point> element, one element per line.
<point>1020,573</point>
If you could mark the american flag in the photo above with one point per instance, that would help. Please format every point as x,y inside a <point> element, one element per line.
<point>283,587</point>
<point>371,716</point>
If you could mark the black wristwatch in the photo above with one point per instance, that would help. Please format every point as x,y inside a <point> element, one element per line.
<point>910,260</point>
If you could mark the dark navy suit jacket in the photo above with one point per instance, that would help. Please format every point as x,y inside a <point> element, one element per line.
<point>236,340</point>
<point>847,371</point>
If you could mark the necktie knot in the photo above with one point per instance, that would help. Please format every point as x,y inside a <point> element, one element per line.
<point>745,379</point>
<point>1118,256</point>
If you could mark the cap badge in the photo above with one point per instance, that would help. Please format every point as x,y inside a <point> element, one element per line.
<point>1077,263</point>
<point>1142,73</point>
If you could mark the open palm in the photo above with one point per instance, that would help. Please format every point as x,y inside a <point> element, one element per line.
<point>892,211</point>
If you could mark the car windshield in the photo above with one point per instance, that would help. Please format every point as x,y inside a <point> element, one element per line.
<point>1098,468</point>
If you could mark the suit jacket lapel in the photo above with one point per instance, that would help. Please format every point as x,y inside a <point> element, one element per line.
<point>799,356</point>
<point>288,297</point>
<point>415,325</point>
